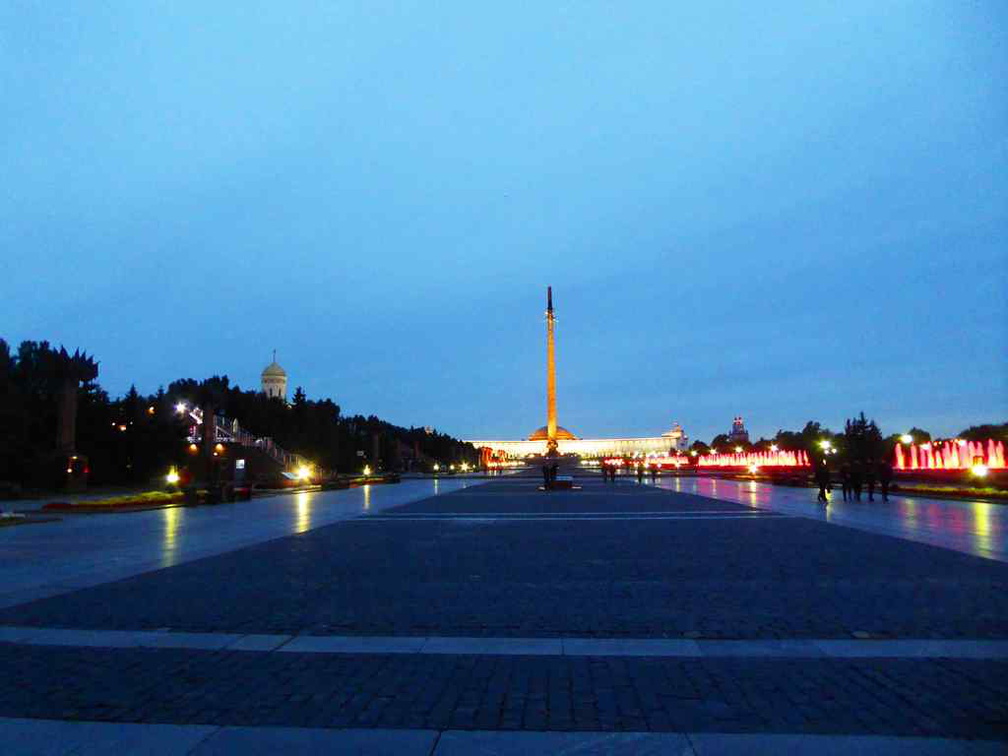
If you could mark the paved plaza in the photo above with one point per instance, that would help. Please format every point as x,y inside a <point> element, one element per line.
<point>488,616</point>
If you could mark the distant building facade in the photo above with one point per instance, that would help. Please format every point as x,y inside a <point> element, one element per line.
<point>670,441</point>
<point>274,380</point>
<point>739,434</point>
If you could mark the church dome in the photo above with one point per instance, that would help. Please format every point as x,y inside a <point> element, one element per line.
<point>273,369</point>
<point>562,434</point>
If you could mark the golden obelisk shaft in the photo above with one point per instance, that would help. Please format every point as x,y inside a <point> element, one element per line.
<point>551,411</point>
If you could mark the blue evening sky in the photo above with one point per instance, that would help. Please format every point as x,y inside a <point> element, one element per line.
<point>780,210</point>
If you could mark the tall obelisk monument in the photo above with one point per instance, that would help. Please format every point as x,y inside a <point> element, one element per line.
<point>551,411</point>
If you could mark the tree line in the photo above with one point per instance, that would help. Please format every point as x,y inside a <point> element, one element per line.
<point>861,439</point>
<point>133,439</point>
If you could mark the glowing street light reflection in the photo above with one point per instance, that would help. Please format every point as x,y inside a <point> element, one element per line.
<point>303,521</point>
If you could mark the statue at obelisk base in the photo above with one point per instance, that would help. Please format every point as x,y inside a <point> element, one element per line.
<point>551,411</point>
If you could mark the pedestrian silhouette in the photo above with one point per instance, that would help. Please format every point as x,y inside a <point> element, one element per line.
<point>857,479</point>
<point>845,480</point>
<point>885,474</point>
<point>822,478</point>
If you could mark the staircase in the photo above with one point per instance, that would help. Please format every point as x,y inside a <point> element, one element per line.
<point>228,431</point>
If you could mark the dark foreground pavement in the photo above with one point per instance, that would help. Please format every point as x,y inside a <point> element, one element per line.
<point>504,560</point>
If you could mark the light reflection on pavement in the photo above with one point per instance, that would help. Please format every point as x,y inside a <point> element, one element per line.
<point>83,550</point>
<point>972,527</point>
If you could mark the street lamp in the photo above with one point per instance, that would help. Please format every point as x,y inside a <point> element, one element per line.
<point>906,438</point>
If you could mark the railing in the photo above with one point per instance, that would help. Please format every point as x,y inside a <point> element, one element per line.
<point>228,431</point>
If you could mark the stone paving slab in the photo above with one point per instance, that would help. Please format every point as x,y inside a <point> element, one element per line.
<point>483,646</point>
<point>455,743</point>
<point>954,649</point>
<point>495,646</point>
<point>40,737</point>
<point>270,741</point>
<point>716,744</point>
<point>352,645</point>
<point>259,642</point>
<point>513,496</point>
<point>630,647</point>
<point>909,697</point>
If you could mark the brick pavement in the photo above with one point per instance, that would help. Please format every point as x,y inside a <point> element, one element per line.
<point>896,697</point>
<point>765,578</point>
<point>720,578</point>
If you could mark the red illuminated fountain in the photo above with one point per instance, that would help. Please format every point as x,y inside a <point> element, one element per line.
<point>756,459</point>
<point>951,455</point>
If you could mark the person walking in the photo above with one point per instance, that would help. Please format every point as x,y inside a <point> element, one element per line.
<point>654,475</point>
<point>612,473</point>
<point>885,477</point>
<point>870,472</point>
<point>845,480</point>
<point>857,479</point>
<point>822,478</point>
<point>640,474</point>
<point>546,476</point>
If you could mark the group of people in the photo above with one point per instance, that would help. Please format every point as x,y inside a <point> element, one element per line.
<point>609,472</point>
<point>855,478</point>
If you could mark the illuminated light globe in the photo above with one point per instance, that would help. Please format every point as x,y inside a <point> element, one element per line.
<point>979,471</point>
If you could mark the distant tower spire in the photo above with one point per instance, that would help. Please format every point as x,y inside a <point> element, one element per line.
<point>551,413</point>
